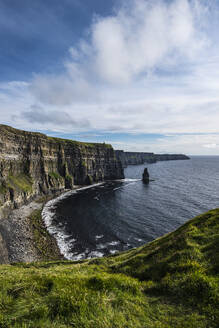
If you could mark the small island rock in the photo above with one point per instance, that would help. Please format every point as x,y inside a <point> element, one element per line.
<point>145,176</point>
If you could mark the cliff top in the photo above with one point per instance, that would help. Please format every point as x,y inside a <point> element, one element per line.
<point>170,282</point>
<point>8,130</point>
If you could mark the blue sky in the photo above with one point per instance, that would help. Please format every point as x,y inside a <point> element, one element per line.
<point>36,35</point>
<point>140,74</point>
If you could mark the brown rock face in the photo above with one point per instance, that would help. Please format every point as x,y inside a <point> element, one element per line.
<point>32,164</point>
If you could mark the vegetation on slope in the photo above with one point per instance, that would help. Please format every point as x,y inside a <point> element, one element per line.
<point>21,182</point>
<point>7,130</point>
<point>70,143</point>
<point>42,241</point>
<point>171,282</point>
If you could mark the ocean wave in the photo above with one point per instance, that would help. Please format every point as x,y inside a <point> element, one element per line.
<point>64,240</point>
<point>127,180</point>
<point>99,237</point>
<point>93,254</point>
<point>113,243</point>
<point>108,244</point>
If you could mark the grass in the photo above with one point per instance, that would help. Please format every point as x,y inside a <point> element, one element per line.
<point>55,175</point>
<point>5,129</point>
<point>3,189</point>
<point>42,241</point>
<point>20,182</point>
<point>173,282</point>
<point>79,143</point>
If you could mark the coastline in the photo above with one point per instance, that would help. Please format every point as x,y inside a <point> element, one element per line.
<point>27,234</point>
<point>63,240</point>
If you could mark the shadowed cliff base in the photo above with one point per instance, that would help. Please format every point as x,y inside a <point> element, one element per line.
<point>171,282</point>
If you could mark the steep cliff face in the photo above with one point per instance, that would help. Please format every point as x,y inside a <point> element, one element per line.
<point>137,158</point>
<point>134,158</point>
<point>171,157</point>
<point>32,164</point>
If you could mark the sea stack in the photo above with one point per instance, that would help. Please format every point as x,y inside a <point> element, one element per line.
<point>145,176</point>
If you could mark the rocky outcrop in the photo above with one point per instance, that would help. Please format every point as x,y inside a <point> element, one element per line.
<point>145,176</point>
<point>33,164</point>
<point>138,158</point>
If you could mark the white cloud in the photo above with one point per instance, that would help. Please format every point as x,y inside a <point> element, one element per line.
<point>152,67</point>
<point>142,36</point>
<point>212,145</point>
<point>194,144</point>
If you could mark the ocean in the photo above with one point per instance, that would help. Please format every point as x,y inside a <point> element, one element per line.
<point>118,215</point>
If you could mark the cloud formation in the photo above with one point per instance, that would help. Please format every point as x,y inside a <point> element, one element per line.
<point>140,38</point>
<point>37,114</point>
<point>151,67</point>
<point>195,144</point>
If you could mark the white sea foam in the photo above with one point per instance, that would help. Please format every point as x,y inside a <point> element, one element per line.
<point>99,237</point>
<point>138,239</point>
<point>78,257</point>
<point>64,240</point>
<point>117,188</point>
<point>91,186</point>
<point>95,254</point>
<point>113,243</point>
<point>106,245</point>
<point>101,246</point>
<point>128,180</point>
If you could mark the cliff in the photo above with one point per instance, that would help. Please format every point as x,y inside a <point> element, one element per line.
<point>171,157</point>
<point>171,282</point>
<point>33,164</point>
<point>138,158</point>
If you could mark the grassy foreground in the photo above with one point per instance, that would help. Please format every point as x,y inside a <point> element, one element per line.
<point>171,282</point>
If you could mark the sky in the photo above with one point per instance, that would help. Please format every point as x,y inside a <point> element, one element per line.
<point>142,75</point>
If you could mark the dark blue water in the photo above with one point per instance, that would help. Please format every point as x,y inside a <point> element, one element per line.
<point>123,214</point>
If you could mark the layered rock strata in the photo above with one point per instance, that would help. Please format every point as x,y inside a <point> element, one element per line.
<point>33,165</point>
<point>138,158</point>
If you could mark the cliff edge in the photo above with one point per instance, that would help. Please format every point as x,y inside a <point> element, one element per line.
<point>33,164</point>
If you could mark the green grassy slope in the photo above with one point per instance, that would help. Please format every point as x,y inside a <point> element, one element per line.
<point>171,282</point>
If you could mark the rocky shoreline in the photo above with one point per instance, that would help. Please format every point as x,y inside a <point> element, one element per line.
<point>25,237</point>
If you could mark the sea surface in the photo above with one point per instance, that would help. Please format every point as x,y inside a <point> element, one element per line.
<point>119,215</point>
